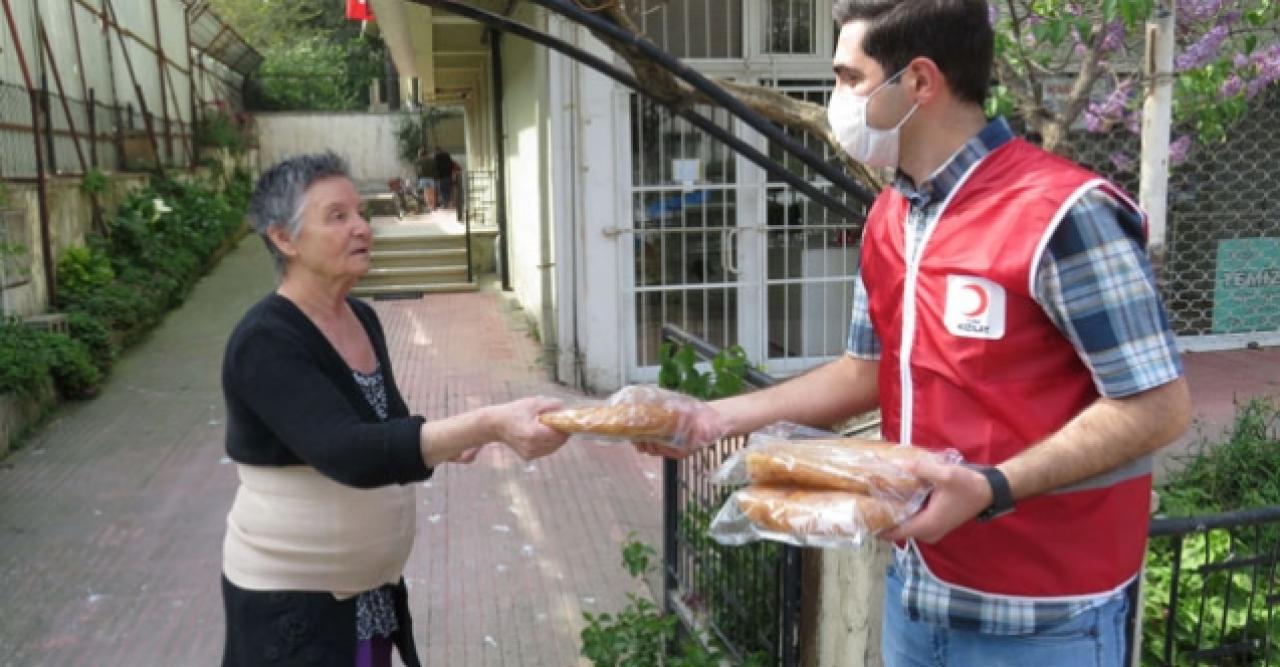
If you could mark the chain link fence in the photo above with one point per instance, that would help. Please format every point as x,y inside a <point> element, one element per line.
<point>1221,274</point>
<point>106,136</point>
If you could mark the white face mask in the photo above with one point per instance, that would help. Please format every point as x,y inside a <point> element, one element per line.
<point>873,147</point>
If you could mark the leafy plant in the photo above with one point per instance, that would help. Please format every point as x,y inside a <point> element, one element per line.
<point>639,636</point>
<point>82,270</point>
<point>678,370</point>
<point>94,182</point>
<point>416,131</point>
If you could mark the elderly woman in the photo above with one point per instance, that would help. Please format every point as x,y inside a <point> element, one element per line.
<point>327,451</point>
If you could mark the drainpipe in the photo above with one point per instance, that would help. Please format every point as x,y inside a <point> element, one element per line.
<point>500,189</point>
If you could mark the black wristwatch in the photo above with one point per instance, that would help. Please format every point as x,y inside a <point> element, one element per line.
<point>1001,494</point>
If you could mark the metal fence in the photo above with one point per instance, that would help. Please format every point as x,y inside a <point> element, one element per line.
<point>1221,273</point>
<point>1211,583</point>
<point>1212,589</point>
<point>110,84</point>
<point>747,598</point>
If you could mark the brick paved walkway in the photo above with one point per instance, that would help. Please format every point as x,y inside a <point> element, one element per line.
<point>111,517</point>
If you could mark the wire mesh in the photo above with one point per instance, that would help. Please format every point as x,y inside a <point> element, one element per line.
<point>1221,272</point>
<point>17,150</point>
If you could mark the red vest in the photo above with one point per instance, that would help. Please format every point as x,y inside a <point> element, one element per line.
<point>984,370</point>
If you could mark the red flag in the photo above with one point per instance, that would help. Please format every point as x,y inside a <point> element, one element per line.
<point>359,10</point>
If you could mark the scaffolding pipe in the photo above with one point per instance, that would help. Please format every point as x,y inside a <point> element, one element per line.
<point>62,95</point>
<point>46,246</point>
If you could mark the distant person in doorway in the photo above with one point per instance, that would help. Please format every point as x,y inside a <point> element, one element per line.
<point>444,173</point>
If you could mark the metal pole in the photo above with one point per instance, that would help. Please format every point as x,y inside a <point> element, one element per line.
<point>75,35</point>
<point>62,94</point>
<point>1157,112</point>
<point>500,194</point>
<point>162,65</point>
<point>137,90</point>
<point>93,128</point>
<point>173,97</point>
<point>46,247</point>
<point>188,19</point>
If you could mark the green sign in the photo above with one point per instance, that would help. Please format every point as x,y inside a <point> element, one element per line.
<point>1246,294</point>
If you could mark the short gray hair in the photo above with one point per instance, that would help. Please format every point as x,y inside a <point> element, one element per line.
<point>280,195</point>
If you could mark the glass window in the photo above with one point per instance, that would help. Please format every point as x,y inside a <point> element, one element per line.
<point>789,27</point>
<point>706,29</point>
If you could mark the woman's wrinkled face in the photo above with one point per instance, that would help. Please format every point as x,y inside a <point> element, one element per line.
<point>333,239</point>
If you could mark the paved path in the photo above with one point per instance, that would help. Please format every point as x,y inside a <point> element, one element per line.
<point>112,516</point>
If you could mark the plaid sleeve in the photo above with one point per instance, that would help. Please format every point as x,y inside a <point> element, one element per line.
<point>1096,284</point>
<point>863,342</point>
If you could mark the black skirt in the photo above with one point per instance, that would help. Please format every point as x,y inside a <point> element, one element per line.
<point>301,628</point>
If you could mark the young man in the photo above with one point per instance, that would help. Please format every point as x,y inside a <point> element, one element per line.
<point>1005,307</point>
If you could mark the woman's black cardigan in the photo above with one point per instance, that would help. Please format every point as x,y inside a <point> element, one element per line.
<point>292,400</point>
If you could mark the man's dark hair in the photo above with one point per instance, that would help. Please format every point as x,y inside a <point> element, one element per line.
<point>955,34</point>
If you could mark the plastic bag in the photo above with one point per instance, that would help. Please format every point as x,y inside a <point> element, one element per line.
<point>804,518</point>
<point>826,491</point>
<point>642,413</point>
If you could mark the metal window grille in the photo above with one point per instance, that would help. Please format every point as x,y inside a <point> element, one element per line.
<point>696,29</point>
<point>789,27</point>
<point>680,231</point>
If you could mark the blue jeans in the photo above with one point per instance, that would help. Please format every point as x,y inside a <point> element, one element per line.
<point>1095,638</point>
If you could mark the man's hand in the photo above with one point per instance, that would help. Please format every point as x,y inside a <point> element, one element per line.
<point>959,495</point>
<point>700,425</point>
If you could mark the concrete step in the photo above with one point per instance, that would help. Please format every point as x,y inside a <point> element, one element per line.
<point>418,258</point>
<point>401,275</point>
<point>413,288</point>
<point>412,242</point>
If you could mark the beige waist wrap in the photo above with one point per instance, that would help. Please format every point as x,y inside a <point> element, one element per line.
<point>292,528</point>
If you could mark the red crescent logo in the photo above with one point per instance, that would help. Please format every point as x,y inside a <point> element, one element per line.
<point>983,300</point>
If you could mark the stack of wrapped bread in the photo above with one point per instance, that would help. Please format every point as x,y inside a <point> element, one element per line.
<point>831,492</point>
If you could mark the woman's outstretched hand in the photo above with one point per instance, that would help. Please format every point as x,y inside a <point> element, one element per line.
<point>516,424</point>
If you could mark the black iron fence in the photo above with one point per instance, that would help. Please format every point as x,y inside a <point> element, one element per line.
<point>1211,590</point>
<point>1210,594</point>
<point>747,598</point>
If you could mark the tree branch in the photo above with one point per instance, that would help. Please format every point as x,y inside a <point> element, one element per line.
<point>787,112</point>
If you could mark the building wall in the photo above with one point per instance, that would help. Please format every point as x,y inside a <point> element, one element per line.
<point>366,140</point>
<point>526,121</point>
<point>24,290</point>
<point>591,154</point>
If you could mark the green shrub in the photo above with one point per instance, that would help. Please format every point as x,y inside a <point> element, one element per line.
<point>28,356</point>
<point>72,367</point>
<point>81,272</point>
<point>24,360</point>
<point>95,336</point>
<point>639,636</point>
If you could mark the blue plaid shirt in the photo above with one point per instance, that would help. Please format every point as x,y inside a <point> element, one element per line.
<point>1096,285</point>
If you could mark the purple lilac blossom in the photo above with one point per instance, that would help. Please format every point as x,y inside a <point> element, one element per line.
<point>1122,161</point>
<point>1204,51</point>
<point>1179,148</point>
<point>1199,10</point>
